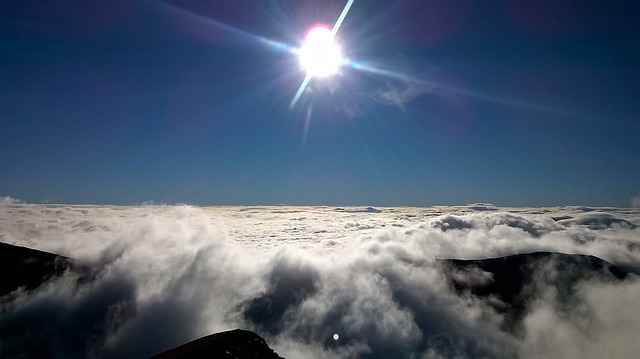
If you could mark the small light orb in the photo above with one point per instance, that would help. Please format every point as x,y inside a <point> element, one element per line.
<point>336,336</point>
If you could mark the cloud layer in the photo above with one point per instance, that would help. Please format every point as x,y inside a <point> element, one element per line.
<point>153,277</point>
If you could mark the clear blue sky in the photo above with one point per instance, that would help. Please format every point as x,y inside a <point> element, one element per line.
<point>508,102</point>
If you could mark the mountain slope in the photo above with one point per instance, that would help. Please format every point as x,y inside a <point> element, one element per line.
<point>28,268</point>
<point>236,343</point>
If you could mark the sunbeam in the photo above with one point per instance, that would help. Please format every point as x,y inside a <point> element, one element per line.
<point>276,45</point>
<point>303,85</point>
<point>343,14</point>
<point>369,68</point>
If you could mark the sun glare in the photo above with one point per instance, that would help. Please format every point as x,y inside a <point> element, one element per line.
<point>320,55</point>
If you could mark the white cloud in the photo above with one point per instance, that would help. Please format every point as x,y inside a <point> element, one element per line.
<point>163,275</point>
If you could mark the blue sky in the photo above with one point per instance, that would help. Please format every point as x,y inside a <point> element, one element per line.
<point>508,102</point>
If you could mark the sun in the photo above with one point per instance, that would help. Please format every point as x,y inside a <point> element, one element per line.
<point>320,55</point>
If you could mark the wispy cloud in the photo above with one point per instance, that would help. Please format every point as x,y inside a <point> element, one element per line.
<point>399,95</point>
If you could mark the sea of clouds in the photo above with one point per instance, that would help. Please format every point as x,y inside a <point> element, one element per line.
<point>152,277</point>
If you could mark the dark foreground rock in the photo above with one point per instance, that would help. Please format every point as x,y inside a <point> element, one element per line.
<point>517,280</point>
<point>28,268</point>
<point>238,343</point>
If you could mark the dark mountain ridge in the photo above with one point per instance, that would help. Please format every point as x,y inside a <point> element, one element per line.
<point>231,344</point>
<point>28,268</point>
<point>516,279</point>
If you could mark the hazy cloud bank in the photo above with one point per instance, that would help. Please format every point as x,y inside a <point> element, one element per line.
<point>635,202</point>
<point>9,200</point>
<point>154,277</point>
